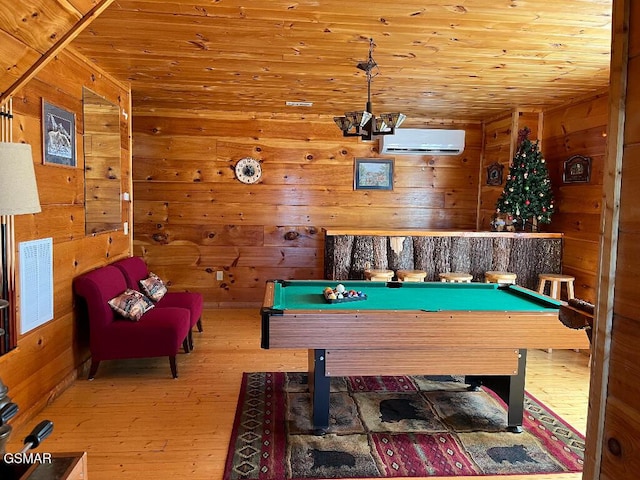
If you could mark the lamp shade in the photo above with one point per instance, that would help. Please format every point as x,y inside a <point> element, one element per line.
<point>18,188</point>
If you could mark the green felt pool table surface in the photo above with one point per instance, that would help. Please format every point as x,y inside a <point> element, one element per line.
<point>424,296</point>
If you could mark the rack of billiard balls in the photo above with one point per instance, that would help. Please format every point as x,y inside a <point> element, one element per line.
<point>341,294</point>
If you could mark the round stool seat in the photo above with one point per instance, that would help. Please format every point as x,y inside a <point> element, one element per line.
<point>411,275</point>
<point>556,280</point>
<point>456,277</point>
<point>499,277</point>
<point>379,275</point>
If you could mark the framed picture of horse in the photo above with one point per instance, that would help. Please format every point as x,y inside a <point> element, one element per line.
<point>58,135</point>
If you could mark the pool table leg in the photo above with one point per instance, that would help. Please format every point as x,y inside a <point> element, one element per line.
<point>516,395</point>
<point>319,388</point>
<point>510,388</point>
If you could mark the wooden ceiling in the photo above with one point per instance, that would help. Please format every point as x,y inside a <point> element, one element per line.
<point>467,60</point>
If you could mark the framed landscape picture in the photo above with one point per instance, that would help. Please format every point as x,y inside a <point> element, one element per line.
<point>58,135</point>
<point>373,174</point>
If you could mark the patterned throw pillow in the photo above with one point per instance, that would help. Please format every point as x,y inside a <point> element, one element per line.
<point>131,304</point>
<point>153,287</point>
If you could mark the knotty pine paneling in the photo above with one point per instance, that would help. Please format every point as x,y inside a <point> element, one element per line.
<point>22,55</point>
<point>630,218</point>
<point>633,101</point>
<point>366,217</point>
<point>49,357</point>
<point>585,226</point>
<point>578,129</point>
<point>193,218</point>
<point>210,57</point>
<point>614,410</point>
<point>627,303</point>
<point>210,234</point>
<point>39,23</point>
<point>326,195</point>
<point>288,236</point>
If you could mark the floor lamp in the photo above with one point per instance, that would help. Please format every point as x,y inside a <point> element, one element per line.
<point>18,196</point>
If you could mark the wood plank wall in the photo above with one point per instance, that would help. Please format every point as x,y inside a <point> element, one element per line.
<point>614,427</point>
<point>500,138</point>
<point>48,357</point>
<point>579,128</point>
<point>193,218</point>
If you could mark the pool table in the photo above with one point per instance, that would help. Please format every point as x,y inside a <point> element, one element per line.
<point>479,330</point>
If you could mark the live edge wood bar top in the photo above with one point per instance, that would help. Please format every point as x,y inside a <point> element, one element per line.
<point>436,233</point>
<point>349,252</point>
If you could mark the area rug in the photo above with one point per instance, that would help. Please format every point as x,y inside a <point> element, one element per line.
<point>404,426</point>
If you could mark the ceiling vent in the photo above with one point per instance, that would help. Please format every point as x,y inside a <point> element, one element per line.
<point>419,141</point>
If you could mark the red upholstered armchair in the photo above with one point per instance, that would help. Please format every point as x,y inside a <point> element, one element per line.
<point>159,332</point>
<point>135,269</point>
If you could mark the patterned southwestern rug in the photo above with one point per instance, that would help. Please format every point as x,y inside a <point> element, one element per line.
<point>403,426</point>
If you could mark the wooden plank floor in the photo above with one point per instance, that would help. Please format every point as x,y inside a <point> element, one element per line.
<point>135,422</point>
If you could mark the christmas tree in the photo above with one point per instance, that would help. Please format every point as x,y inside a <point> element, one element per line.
<point>527,195</point>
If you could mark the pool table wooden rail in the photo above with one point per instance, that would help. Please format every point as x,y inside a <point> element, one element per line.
<point>432,361</point>
<point>375,329</point>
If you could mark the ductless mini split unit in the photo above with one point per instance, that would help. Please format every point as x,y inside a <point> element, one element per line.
<point>420,141</point>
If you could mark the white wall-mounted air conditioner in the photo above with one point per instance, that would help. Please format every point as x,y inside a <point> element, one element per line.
<point>420,141</point>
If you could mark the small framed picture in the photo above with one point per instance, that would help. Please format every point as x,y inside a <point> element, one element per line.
<point>577,169</point>
<point>494,174</point>
<point>373,174</point>
<point>58,135</point>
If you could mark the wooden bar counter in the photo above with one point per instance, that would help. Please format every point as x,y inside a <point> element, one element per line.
<point>348,252</point>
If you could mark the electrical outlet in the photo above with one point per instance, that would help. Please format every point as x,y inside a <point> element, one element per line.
<point>219,275</point>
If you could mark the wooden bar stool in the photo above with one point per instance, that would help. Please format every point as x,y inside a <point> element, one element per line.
<point>555,289</point>
<point>556,280</point>
<point>411,275</point>
<point>500,277</point>
<point>456,277</point>
<point>379,275</point>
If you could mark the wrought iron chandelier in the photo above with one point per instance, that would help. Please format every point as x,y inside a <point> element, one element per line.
<point>364,123</point>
